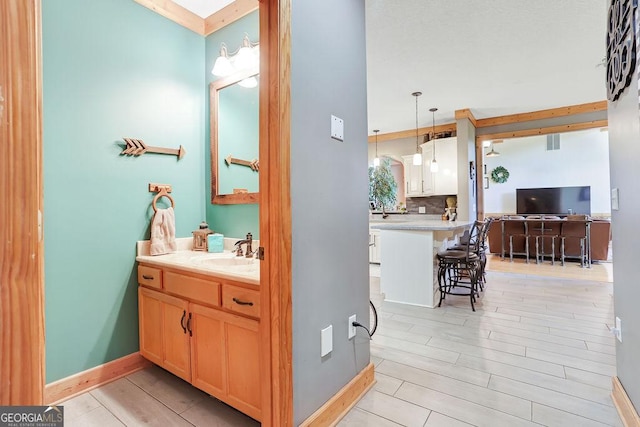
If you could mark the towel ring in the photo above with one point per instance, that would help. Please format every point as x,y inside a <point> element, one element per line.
<point>162,193</point>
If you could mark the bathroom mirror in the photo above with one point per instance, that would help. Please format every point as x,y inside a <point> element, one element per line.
<point>234,115</point>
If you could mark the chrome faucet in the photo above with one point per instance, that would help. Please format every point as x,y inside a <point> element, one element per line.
<point>248,240</point>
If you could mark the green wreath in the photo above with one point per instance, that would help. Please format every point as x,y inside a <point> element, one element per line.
<point>499,175</point>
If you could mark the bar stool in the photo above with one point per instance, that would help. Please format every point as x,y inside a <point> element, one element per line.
<point>516,229</point>
<point>459,270</point>
<point>573,240</point>
<point>547,229</point>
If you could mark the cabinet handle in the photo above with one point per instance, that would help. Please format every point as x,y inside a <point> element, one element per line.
<point>184,314</point>
<point>144,276</point>
<point>240,302</point>
<point>189,325</point>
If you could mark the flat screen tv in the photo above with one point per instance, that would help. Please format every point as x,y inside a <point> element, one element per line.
<point>556,201</point>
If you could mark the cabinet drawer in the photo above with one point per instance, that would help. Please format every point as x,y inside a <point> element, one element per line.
<point>193,288</point>
<point>240,300</point>
<point>149,276</point>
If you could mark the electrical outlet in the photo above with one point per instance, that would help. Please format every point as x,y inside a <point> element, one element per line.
<point>618,329</point>
<point>352,329</point>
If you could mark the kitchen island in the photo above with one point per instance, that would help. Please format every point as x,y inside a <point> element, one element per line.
<point>408,263</point>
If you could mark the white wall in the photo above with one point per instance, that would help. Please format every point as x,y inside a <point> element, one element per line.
<point>583,159</point>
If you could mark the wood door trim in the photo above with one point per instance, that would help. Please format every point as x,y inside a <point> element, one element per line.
<point>22,349</point>
<point>275,213</point>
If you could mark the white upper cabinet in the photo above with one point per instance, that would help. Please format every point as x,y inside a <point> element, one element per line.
<point>420,181</point>
<point>412,177</point>
<point>445,181</point>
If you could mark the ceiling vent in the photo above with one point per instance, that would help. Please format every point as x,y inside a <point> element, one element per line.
<point>553,142</point>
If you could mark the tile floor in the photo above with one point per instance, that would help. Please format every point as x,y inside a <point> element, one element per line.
<point>537,351</point>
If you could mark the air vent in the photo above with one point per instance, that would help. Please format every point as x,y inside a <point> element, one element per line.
<point>553,142</point>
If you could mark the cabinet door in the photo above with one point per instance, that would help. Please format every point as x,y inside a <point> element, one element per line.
<point>427,175</point>
<point>208,362</point>
<point>150,324</point>
<point>412,177</point>
<point>164,339</point>
<point>446,180</point>
<point>243,365</point>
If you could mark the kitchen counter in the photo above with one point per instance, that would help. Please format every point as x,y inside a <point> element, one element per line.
<point>408,263</point>
<point>224,265</point>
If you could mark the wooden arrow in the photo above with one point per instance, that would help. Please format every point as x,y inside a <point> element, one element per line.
<point>253,164</point>
<point>136,147</point>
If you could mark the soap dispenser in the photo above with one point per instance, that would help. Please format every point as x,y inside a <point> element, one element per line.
<point>200,237</point>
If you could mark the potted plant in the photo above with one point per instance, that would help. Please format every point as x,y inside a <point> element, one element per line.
<point>382,186</point>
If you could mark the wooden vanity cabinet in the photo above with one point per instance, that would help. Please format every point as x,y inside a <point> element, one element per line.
<point>207,333</point>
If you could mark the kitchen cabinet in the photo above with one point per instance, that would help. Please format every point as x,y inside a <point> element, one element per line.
<point>205,330</point>
<point>445,181</point>
<point>413,185</point>
<point>419,181</point>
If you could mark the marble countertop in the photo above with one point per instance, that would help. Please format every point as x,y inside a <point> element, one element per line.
<point>424,225</point>
<point>224,265</point>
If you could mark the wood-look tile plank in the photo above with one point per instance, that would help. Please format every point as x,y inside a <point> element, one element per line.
<point>499,356</point>
<point>439,420</point>
<point>420,312</point>
<point>394,409</point>
<point>98,417</point>
<point>359,418</point>
<point>505,347</point>
<point>598,339</point>
<point>591,378</point>
<point>409,336</point>
<point>79,405</point>
<point>574,362</point>
<point>602,348</point>
<point>175,393</point>
<point>481,395</point>
<point>471,376</point>
<point>386,384</point>
<point>552,417</point>
<point>457,408</point>
<point>599,329</point>
<point>588,409</point>
<point>422,350</point>
<point>563,385</point>
<point>132,406</point>
<point>453,331</point>
<point>555,348</point>
<point>212,412</point>
<point>540,336</point>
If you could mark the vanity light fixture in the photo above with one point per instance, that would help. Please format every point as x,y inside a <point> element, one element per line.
<point>247,56</point>
<point>376,160</point>
<point>434,164</point>
<point>417,157</point>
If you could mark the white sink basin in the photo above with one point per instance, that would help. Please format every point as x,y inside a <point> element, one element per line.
<point>233,264</point>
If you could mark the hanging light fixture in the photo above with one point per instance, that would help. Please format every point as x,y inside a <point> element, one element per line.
<point>492,152</point>
<point>376,160</point>
<point>434,164</point>
<point>417,158</point>
<point>246,57</point>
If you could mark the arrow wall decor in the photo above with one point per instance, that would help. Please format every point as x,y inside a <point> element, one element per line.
<point>253,164</point>
<point>136,147</point>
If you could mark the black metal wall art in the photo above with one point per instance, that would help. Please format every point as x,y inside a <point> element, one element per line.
<point>621,46</point>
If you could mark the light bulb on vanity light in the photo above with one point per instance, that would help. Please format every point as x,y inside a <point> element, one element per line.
<point>222,66</point>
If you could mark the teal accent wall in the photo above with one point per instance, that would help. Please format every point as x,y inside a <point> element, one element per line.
<point>111,69</point>
<point>230,220</point>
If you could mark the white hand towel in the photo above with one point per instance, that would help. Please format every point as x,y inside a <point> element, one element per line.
<point>163,232</point>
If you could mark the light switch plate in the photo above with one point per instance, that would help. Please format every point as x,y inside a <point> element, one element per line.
<point>337,128</point>
<point>422,209</point>
<point>614,199</point>
<point>326,341</point>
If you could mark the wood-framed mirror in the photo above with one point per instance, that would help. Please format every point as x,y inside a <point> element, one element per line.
<point>234,128</point>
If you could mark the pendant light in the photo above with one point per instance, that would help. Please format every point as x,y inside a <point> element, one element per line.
<point>417,158</point>
<point>376,160</point>
<point>434,164</point>
<point>492,152</point>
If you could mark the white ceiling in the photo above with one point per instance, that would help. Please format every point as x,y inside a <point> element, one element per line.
<point>495,57</point>
<point>203,8</point>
